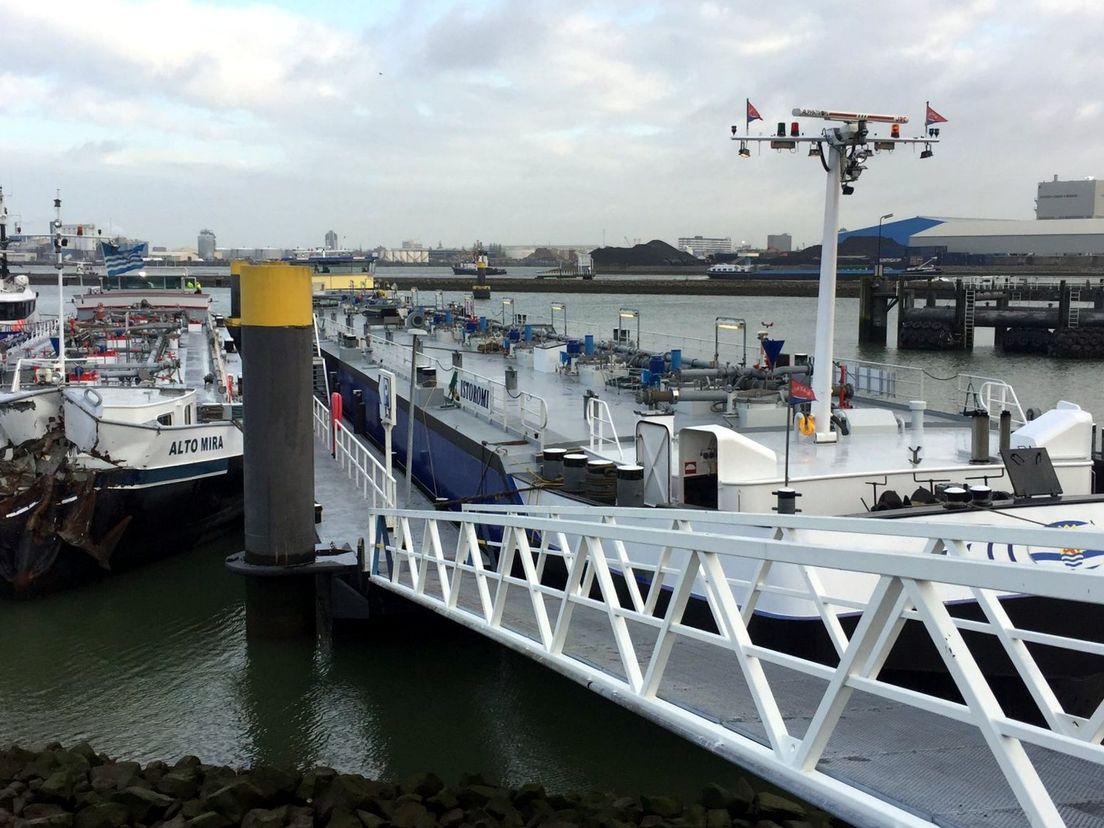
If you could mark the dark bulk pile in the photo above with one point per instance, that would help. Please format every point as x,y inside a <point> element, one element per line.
<point>77,788</point>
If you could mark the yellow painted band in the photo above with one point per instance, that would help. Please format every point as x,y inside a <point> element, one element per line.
<point>276,295</point>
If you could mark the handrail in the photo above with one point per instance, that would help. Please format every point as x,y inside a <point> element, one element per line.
<point>367,473</point>
<point>603,433</point>
<point>816,560</point>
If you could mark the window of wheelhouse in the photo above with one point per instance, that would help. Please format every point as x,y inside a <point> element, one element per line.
<point>10,311</point>
<point>165,419</point>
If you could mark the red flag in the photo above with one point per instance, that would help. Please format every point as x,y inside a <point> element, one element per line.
<point>800,392</point>
<point>933,117</point>
<point>752,113</point>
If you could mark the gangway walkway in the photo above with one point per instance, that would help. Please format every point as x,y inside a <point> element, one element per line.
<point>545,582</point>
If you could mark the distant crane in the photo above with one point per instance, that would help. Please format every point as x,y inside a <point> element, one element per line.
<point>631,242</point>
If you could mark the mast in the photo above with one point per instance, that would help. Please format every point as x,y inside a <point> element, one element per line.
<point>59,243</point>
<point>3,238</point>
<point>842,152</point>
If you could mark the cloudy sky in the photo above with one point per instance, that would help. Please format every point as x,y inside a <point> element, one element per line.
<point>526,122</point>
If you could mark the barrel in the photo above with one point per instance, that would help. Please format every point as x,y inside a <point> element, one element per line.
<point>552,463</point>
<point>588,344</point>
<point>514,335</point>
<point>528,333</point>
<point>573,346</point>
<point>630,485</point>
<point>575,468</point>
<point>482,323</point>
<point>601,481</point>
<point>655,364</point>
<point>676,359</point>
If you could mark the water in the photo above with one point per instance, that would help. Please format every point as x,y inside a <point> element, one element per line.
<point>154,663</point>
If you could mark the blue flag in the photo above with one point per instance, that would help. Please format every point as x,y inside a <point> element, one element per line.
<point>120,259</point>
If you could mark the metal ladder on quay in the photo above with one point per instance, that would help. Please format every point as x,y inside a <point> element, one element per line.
<point>320,381</point>
<point>969,306</point>
<point>1074,316</point>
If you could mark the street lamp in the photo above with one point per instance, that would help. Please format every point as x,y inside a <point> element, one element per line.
<point>628,313</point>
<point>561,307</point>
<point>725,323</point>
<point>414,349</point>
<point>506,303</point>
<point>878,262</point>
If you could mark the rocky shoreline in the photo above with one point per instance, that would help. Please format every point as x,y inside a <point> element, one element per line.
<point>77,788</point>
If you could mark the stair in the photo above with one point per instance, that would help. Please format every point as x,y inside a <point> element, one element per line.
<point>968,317</point>
<point>1074,309</point>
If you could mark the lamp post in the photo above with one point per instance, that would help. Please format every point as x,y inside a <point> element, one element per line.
<point>414,334</point>
<point>628,313</point>
<point>562,307</point>
<point>506,303</point>
<point>725,323</point>
<point>878,259</point>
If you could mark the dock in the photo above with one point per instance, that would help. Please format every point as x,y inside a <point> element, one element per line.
<point>838,736</point>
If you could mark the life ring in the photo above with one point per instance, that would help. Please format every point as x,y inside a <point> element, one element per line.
<point>806,424</point>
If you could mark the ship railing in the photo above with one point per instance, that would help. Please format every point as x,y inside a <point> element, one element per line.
<point>613,617</point>
<point>900,384</point>
<point>518,412</point>
<point>603,434</point>
<point>368,474</point>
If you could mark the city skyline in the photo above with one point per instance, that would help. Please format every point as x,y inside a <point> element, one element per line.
<point>271,123</point>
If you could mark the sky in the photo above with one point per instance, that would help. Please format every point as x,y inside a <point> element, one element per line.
<point>562,122</point>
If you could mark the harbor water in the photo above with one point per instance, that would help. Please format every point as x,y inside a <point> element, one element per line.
<point>154,664</point>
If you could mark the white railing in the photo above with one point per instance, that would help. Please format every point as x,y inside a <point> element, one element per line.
<point>445,564</point>
<point>603,434</point>
<point>367,473</point>
<point>952,395</point>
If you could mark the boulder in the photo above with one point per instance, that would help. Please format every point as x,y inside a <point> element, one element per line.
<point>114,777</point>
<point>181,783</point>
<point>234,801</point>
<point>424,785</point>
<point>58,786</point>
<point>209,819</point>
<point>313,781</point>
<point>778,808</point>
<point>145,805</point>
<point>102,815</point>
<point>412,814</point>
<point>351,792</point>
<point>266,818</point>
<point>667,807</point>
<point>275,784</point>
<point>343,818</point>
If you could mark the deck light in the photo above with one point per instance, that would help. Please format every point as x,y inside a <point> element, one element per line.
<point>795,129</point>
<point>927,153</point>
<point>744,151</point>
<point>560,307</point>
<point>628,313</point>
<point>781,131</point>
<point>895,131</point>
<point>727,323</point>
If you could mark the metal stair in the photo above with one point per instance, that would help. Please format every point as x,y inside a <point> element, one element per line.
<point>968,316</point>
<point>1074,308</point>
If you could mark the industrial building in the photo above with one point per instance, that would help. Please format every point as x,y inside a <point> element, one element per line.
<point>205,245</point>
<point>1069,222</point>
<point>702,246</point>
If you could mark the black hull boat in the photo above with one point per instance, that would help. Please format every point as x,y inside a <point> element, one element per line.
<point>70,530</point>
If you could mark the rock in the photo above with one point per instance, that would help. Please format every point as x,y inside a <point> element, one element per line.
<point>58,786</point>
<point>114,777</point>
<point>8,795</point>
<point>350,792</point>
<point>102,815</point>
<point>234,801</point>
<point>313,781</point>
<point>424,785</point>
<point>63,819</point>
<point>209,819</point>
<point>145,805</point>
<point>718,818</point>
<point>40,766</point>
<point>472,796</point>
<point>665,806</point>
<point>181,783</point>
<point>215,778</point>
<point>275,784</point>
<point>265,818</point>
<point>13,760</point>
<point>411,814</point>
<point>742,801</point>
<point>342,818</point>
<point>449,819</point>
<point>443,802</point>
<point>177,821</point>
<point>192,808</point>
<point>36,810</point>
<point>778,808</point>
<point>188,761</point>
<point>652,821</point>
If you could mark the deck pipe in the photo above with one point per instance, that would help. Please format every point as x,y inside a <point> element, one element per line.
<point>277,326</point>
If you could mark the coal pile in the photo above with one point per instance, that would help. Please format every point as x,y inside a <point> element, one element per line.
<point>653,254</point>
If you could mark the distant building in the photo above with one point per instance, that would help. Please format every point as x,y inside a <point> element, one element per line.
<point>331,240</point>
<point>205,245</point>
<point>702,246</point>
<point>257,254</point>
<point>780,242</point>
<point>1082,199</point>
<point>405,255</point>
<point>409,244</point>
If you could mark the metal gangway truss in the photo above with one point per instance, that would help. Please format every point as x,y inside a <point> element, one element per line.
<point>547,582</point>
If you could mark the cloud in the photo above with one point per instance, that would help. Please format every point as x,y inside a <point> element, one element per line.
<point>539,120</point>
